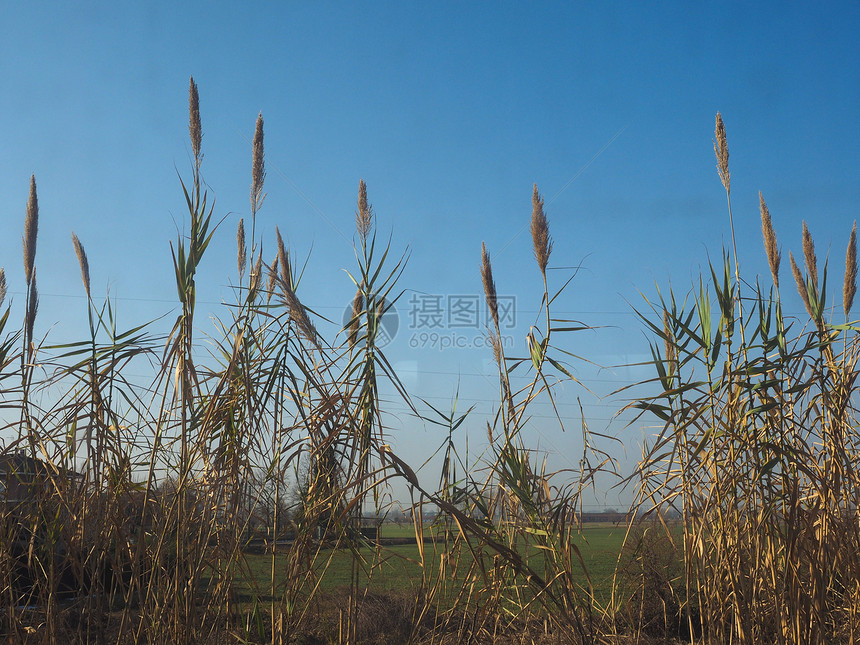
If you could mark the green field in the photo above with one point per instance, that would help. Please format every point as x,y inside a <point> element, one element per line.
<point>398,567</point>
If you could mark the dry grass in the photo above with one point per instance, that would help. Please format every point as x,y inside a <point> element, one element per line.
<point>759,453</point>
<point>142,500</point>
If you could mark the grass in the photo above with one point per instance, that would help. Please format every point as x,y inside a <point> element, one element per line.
<point>134,505</point>
<point>398,567</point>
<point>759,450</point>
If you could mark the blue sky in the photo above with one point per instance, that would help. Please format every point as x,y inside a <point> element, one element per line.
<point>450,112</point>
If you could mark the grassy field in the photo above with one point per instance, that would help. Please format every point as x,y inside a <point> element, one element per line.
<point>398,567</point>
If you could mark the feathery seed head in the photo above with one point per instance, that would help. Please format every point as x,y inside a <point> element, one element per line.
<point>496,344</point>
<point>355,322</point>
<point>489,284</point>
<point>31,231</point>
<point>83,262</point>
<point>809,256</point>
<point>258,270</point>
<point>770,247</point>
<point>2,285</point>
<point>540,231</point>
<point>299,315</point>
<point>668,341</point>
<point>241,258</point>
<point>364,216</point>
<point>256,277</point>
<point>849,288</point>
<point>721,149</point>
<point>258,167</point>
<point>32,308</point>
<point>194,127</point>
<point>801,284</point>
<point>273,277</point>
<point>284,261</point>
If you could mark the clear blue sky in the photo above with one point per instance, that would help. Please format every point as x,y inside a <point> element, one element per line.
<point>450,112</point>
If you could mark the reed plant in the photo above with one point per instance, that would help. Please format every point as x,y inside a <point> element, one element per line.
<point>147,507</point>
<point>509,561</point>
<point>758,450</point>
<point>144,501</point>
<point>141,501</point>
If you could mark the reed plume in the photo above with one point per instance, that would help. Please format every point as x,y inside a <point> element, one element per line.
<point>496,344</point>
<point>2,285</point>
<point>256,276</point>
<point>801,284</point>
<point>489,285</point>
<point>83,262</point>
<point>258,167</point>
<point>770,246</point>
<point>284,261</point>
<point>809,256</point>
<point>849,287</point>
<point>721,149</point>
<point>241,258</point>
<point>299,314</point>
<point>32,309</point>
<point>355,321</point>
<point>668,341</point>
<point>297,310</point>
<point>31,232</point>
<point>381,307</point>
<point>273,277</point>
<point>364,216</point>
<point>194,127</point>
<point>540,231</point>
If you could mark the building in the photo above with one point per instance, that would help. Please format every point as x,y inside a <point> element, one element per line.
<point>24,480</point>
